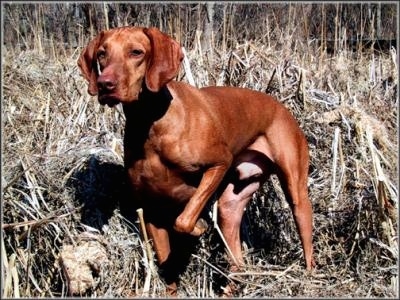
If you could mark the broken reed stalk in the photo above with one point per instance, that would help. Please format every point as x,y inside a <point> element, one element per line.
<point>335,146</point>
<point>145,236</point>
<point>270,81</point>
<point>8,266</point>
<point>379,176</point>
<point>186,66</point>
<point>105,10</point>
<point>149,253</point>
<point>299,87</point>
<point>380,191</point>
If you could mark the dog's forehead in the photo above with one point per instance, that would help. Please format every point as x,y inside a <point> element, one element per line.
<point>125,35</point>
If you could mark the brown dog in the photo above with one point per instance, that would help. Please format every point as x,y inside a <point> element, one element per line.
<point>181,141</point>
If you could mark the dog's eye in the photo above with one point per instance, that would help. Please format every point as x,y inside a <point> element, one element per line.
<point>101,54</point>
<point>136,52</point>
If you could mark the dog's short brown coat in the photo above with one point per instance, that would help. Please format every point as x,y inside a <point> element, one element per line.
<point>181,142</point>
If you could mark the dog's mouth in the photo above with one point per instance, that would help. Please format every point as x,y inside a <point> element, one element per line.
<point>112,99</point>
<point>109,100</point>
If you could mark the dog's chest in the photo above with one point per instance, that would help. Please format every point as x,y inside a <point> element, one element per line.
<point>157,176</point>
<point>166,157</point>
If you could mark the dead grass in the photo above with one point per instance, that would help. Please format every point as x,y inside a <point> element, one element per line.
<point>63,183</point>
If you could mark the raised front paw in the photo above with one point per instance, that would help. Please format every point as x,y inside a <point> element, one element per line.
<point>185,227</point>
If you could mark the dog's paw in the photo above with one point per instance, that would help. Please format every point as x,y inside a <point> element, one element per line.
<point>310,265</point>
<point>171,290</point>
<point>198,229</point>
<point>229,290</point>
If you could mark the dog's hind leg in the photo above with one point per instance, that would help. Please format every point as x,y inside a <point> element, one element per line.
<point>249,171</point>
<point>231,207</point>
<point>293,176</point>
<point>295,189</point>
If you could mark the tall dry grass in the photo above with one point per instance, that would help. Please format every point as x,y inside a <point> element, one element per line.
<point>65,210</point>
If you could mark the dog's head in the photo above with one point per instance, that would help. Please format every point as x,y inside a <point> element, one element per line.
<point>119,61</point>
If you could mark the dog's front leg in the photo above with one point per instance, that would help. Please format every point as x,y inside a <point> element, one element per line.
<point>161,243</point>
<point>187,221</point>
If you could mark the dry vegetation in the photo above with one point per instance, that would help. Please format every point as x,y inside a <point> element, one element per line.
<point>65,224</point>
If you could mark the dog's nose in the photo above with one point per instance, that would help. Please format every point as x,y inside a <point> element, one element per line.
<point>106,83</point>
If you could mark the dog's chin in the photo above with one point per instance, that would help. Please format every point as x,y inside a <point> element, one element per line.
<point>111,101</point>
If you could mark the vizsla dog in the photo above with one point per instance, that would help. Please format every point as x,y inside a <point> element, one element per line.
<point>182,143</point>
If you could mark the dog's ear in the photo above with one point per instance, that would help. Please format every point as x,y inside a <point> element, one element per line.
<point>87,62</point>
<point>165,58</point>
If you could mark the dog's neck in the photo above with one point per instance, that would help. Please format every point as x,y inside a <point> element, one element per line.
<point>150,106</point>
<point>140,116</point>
